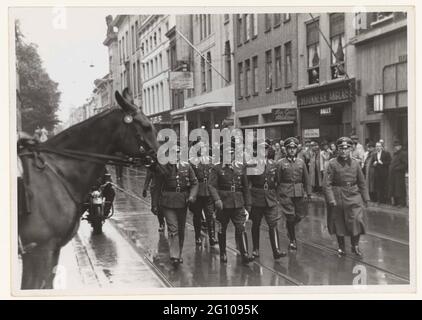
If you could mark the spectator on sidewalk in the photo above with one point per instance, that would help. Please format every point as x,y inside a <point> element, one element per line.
<point>381,162</point>
<point>333,149</point>
<point>358,152</point>
<point>368,170</point>
<point>278,152</point>
<point>315,175</point>
<point>325,157</point>
<point>398,168</point>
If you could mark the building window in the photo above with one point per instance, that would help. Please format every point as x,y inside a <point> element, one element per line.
<point>136,35</point>
<point>228,62</point>
<point>286,17</point>
<point>277,19</point>
<point>277,59</point>
<point>312,42</point>
<point>150,43</point>
<point>155,39</point>
<point>127,44</point>
<point>146,46</point>
<point>173,56</point>
<point>138,66</point>
<point>267,22</point>
<point>203,81</point>
<point>254,25</point>
<point>120,52</point>
<point>247,30</point>
<point>157,92</point>
<point>162,94</point>
<point>209,73</point>
<point>337,45</point>
<point>157,67</point>
<point>135,93</point>
<point>255,75</point>
<point>268,70</point>
<point>394,90</point>
<point>123,50</point>
<point>159,35</point>
<point>153,99</point>
<point>152,68</point>
<point>288,63</point>
<point>209,25</point>
<point>239,29</point>
<point>133,38</point>
<point>379,17</point>
<point>247,76</point>
<point>161,61</point>
<point>144,71</point>
<point>240,80</point>
<point>145,102</point>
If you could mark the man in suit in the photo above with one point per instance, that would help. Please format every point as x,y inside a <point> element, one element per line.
<point>398,168</point>
<point>381,162</point>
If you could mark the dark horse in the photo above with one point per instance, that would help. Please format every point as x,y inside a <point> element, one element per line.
<point>58,175</point>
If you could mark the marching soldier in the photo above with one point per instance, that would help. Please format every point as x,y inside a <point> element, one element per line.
<point>228,186</point>
<point>150,181</point>
<point>202,168</point>
<point>172,193</point>
<point>346,194</point>
<point>265,203</point>
<point>294,186</point>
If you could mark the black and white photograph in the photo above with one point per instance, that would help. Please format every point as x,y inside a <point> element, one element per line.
<point>255,149</point>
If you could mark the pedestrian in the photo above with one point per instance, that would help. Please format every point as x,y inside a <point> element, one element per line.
<point>397,173</point>
<point>265,204</point>
<point>278,152</point>
<point>381,162</point>
<point>293,187</point>
<point>346,195</point>
<point>228,186</point>
<point>325,155</point>
<point>202,165</point>
<point>150,182</point>
<point>358,152</point>
<point>333,149</point>
<point>173,191</point>
<point>368,170</point>
<point>315,175</point>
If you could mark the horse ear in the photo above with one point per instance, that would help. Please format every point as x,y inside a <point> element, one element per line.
<point>126,105</point>
<point>127,95</point>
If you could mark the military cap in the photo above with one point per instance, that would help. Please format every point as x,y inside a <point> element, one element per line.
<point>291,142</point>
<point>344,142</point>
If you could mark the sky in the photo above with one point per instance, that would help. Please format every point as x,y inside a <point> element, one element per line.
<point>69,41</point>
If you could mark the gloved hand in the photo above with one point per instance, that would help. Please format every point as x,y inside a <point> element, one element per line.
<point>144,193</point>
<point>218,205</point>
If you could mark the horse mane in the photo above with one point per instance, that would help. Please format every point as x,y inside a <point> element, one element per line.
<point>76,127</point>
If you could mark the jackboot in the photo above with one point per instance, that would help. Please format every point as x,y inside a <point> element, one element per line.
<point>211,232</point>
<point>222,246</point>
<point>255,241</point>
<point>354,240</point>
<point>290,225</point>
<point>341,246</point>
<point>243,247</point>
<point>197,227</point>
<point>275,244</point>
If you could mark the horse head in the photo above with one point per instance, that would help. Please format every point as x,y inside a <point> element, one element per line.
<point>138,134</point>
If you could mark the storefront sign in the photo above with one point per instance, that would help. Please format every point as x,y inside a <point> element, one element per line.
<point>284,114</point>
<point>311,133</point>
<point>181,80</point>
<point>326,111</point>
<point>326,94</point>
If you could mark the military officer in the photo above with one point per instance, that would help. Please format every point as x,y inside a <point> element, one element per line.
<point>265,203</point>
<point>172,193</point>
<point>151,176</point>
<point>294,186</point>
<point>228,186</point>
<point>346,194</point>
<point>202,167</point>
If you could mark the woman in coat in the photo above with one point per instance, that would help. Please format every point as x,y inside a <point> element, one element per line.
<point>347,196</point>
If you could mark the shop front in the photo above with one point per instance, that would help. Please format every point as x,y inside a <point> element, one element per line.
<point>326,111</point>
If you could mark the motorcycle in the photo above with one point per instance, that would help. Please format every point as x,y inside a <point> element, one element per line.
<point>99,208</point>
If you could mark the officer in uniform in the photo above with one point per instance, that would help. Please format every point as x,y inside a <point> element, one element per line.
<point>228,186</point>
<point>172,193</point>
<point>346,194</point>
<point>202,168</point>
<point>265,203</point>
<point>294,186</point>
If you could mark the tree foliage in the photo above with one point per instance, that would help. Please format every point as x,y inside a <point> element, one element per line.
<point>39,94</point>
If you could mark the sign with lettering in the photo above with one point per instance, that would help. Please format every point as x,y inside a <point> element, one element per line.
<point>326,111</point>
<point>326,95</point>
<point>311,133</point>
<point>284,114</point>
<point>181,80</point>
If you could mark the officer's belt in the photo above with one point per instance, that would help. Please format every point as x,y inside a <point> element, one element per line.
<point>231,188</point>
<point>345,184</point>
<point>176,189</point>
<point>264,186</point>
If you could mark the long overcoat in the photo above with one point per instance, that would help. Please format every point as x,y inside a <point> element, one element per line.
<point>397,172</point>
<point>345,184</point>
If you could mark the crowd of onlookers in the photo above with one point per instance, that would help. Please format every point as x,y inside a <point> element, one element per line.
<point>384,170</point>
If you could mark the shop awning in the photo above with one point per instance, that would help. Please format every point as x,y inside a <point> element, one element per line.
<point>201,107</point>
<point>270,124</point>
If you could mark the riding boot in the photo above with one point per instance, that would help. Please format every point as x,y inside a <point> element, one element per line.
<point>243,247</point>
<point>174,244</point>
<point>354,240</point>
<point>341,246</point>
<point>197,225</point>
<point>211,232</point>
<point>222,246</point>
<point>290,225</point>
<point>274,239</point>
<point>160,222</point>
<point>255,241</point>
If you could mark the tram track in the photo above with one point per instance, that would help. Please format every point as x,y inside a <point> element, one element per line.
<point>307,243</point>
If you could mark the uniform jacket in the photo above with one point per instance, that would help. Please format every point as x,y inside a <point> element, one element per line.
<point>202,171</point>
<point>223,177</point>
<point>345,184</point>
<point>260,196</point>
<point>293,178</point>
<point>315,168</point>
<point>180,175</point>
